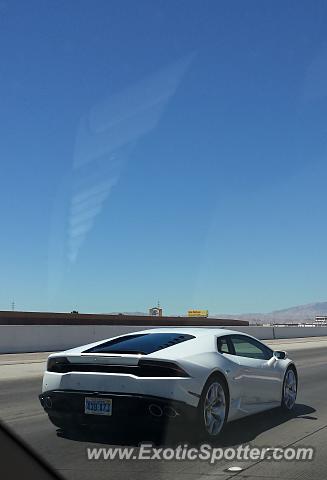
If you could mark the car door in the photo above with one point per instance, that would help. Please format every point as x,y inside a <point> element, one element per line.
<point>258,377</point>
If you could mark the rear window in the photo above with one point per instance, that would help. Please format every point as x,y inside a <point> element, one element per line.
<point>144,343</point>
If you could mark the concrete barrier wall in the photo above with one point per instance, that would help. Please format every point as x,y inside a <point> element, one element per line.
<point>263,333</point>
<point>297,332</point>
<point>43,338</point>
<point>46,338</point>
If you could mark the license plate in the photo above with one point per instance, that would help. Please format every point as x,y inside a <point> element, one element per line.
<point>98,406</point>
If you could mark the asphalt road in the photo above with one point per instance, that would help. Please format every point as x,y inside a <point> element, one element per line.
<point>19,408</point>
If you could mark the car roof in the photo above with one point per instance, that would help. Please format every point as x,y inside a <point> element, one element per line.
<point>196,331</point>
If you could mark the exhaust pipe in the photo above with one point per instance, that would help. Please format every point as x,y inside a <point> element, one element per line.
<point>155,410</point>
<point>170,412</point>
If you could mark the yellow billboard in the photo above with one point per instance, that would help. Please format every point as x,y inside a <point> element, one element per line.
<point>197,313</point>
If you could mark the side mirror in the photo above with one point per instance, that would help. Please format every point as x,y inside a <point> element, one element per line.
<point>280,355</point>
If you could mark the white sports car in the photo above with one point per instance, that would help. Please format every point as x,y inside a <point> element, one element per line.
<point>207,374</point>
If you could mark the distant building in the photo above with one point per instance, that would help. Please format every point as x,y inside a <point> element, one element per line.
<point>321,320</point>
<point>155,312</point>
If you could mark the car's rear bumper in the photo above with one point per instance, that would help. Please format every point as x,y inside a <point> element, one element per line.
<point>70,404</point>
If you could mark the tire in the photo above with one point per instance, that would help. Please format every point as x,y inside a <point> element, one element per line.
<point>213,408</point>
<point>289,393</point>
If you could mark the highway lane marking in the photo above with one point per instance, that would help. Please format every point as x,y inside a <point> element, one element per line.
<point>11,419</point>
<point>319,429</point>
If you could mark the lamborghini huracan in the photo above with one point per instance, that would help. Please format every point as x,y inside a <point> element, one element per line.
<point>208,375</point>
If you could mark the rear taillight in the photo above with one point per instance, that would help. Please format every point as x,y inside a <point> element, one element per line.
<point>158,368</point>
<point>58,364</point>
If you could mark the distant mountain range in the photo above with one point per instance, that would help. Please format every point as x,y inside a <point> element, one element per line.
<point>300,313</point>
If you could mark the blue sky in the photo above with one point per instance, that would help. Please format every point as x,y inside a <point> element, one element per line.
<point>163,150</point>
